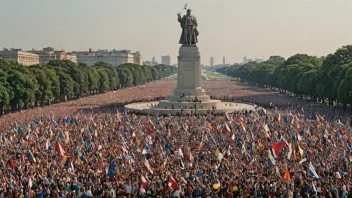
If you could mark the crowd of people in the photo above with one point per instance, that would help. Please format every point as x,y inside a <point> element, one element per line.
<point>104,152</point>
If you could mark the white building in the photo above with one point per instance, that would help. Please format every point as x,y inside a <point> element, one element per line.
<point>166,60</point>
<point>49,53</point>
<point>22,57</point>
<point>113,57</point>
<point>150,63</point>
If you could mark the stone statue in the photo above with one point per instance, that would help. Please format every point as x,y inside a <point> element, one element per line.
<point>189,28</point>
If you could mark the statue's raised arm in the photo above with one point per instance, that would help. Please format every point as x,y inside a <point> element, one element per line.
<point>189,28</point>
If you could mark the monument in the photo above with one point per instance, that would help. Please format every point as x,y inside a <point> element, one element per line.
<point>189,96</point>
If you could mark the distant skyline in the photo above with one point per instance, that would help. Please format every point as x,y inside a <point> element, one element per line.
<point>229,28</point>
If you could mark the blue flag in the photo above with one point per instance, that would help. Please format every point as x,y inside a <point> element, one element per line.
<point>111,170</point>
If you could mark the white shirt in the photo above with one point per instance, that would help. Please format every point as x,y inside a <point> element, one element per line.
<point>88,193</point>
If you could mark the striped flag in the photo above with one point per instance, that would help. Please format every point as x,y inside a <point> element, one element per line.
<point>31,156</point>
<point>271,160</point>
<point>60,150</point>
<point>146,163</point>
<point>312,172</point>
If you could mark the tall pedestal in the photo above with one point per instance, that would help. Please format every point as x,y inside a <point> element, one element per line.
<point>189,76</point>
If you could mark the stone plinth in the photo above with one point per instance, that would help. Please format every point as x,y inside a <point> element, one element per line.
<point>189,96</point>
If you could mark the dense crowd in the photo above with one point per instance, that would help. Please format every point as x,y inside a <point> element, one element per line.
<point>101,152</point>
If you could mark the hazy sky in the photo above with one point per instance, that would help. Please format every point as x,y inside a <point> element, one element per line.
<point>230,28</point>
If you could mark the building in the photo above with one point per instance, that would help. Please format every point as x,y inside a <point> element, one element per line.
<point>212,61</point>
<point>137,58</point>
<point>62,55</point>
<point>259,60</point>
<point>166,60</point>
<point>114,57</point>
<point>48,54</point>
<point>249,60</point>
<point>153,59</point>
<point>223,60</point>
<point>150,63</point>
<point>22,57</point>
<point>245,59</point>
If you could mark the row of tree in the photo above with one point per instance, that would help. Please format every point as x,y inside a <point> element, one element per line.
<point>24,86</point>
<point>317,78</point>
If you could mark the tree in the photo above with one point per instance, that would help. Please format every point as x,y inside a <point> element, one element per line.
<point>112,73</point>
<point>328,81</point>
<point>276,60</point>
<point>24,88</point>
<point>103,80</point>
<point>44,92</point>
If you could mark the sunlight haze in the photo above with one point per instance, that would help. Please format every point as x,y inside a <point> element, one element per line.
<point>230,28</point>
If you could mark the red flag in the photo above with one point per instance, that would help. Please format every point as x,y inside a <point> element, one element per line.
<point>144,182</point>
<point>60,150</point>
<point>279,119</point>
<point>149,130</point>
<point>11,164</point>
<point>172,183</point>
<point>277,147</point>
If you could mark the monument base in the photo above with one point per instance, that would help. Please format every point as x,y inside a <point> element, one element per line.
<point>189,96</point>
<point>155,107</point>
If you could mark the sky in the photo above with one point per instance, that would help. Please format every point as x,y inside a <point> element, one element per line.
<point>230,28</point>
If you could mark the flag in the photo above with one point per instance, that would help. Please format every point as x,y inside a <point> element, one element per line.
<point>287,176</point>
<point>148,167</point>
<point>302,161</point>
<point>149,130</point>
<point>80,157</point>
<point>227,117</point>
<point>191,158</point>
<point>229,150</point>
<point>296,119</point>
<point>60,150</point>
<point>111,170</point>
<point>165,162</point>
<point>200,145</point>
<point>277,148</point>
<point>47,146</point>
<point>301,152</point>
<point>73,169</point>
<point>266,131</point>
<point>172,183</point>
<point>289,154</point>
<point>298,136</point>
<point>271,160</point>
<point>30,183</point>
<point>31,156</point>
<point>279,119</point>
<point>146,150</point>
<point>137,141</point>
<point>220,156</point>
<point>64,158</point>
<point>312,172</point>
<point>144,182</point>
<point>282,139</point>
<point>227,128</point>
<point>11,164</point>
<point>182,166</point>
